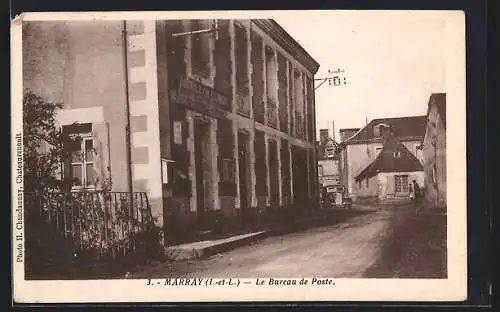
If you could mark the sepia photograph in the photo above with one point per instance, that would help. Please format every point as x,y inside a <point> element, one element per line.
<point>287,150</point>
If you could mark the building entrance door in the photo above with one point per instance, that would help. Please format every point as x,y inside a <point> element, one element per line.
<point>274,173</point>
<point>300,179</point>
<point>202,168</point>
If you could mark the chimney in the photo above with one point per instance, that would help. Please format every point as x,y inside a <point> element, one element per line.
<point>385,132</point>
<point>323,135</point>
<point>347,133</point>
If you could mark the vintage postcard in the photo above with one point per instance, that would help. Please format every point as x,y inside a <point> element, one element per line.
<point>239,156</point>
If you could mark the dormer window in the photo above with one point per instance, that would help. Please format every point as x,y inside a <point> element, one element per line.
<point>397,154</point>
<point>377,130</point>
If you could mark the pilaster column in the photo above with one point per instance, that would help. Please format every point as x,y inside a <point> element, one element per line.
<point>280,178</point>
<point>291,171</point>
<point>236,165</point>
<point>214,154</point>
<point>305,105</point>
<point>268,177</point>
<point>288,99</point>
<point>264,80</point>
<point>309,182</point>
<point>192,166</point>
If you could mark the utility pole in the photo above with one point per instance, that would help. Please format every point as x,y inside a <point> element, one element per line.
<point>128,139</point>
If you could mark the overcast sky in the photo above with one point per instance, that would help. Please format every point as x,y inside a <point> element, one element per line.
<point>392,62</point>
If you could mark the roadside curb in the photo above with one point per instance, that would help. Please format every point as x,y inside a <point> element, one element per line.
<point>204,249</point>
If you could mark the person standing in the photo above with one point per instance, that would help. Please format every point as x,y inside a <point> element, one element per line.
<point>416,195</point>
<point>416,190</point>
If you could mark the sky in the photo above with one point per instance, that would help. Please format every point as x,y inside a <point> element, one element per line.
<point>392,62</point>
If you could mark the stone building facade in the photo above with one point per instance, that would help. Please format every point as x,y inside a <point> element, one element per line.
<point>222,122</point>
<point>434,150</point>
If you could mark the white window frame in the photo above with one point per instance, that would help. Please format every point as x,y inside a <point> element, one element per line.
<point>403,185</point>
<point>85,137</point>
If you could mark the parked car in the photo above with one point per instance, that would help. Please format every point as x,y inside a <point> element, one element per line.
<point>335,196</point>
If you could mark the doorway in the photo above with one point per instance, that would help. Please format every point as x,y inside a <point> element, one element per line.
<point>300,179</point>
<point>243,166</point>
<point>203,170</point>
<point>274,173</point>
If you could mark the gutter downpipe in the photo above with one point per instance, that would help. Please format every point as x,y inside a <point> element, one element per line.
<point>127,124</point>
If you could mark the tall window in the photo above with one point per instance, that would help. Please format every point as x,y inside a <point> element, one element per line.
<point>200,49</point>
<point>271,86</point>
<point>79,168</point>
<point>241,50</point>
<point>299,104</point>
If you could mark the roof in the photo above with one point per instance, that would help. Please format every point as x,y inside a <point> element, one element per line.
<point>387,162</point>
<point>405,128</point>
<point>290,45</point>
<point>438,99</point>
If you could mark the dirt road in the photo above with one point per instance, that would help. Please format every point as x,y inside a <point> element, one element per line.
<point>342,250</point>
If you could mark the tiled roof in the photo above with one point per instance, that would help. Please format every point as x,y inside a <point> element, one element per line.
<point>387,162</point>
<point>439,99</point>
<point>405,128</point>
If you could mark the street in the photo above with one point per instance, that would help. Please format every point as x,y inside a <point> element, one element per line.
<point>346,249</point>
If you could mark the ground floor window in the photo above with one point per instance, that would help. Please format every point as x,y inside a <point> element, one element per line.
<point>80,147</point>
<point>401,184</point>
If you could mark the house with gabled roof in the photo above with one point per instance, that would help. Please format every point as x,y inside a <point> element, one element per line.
<point>328,161</point>
<point>359,150</point>
<point>389,175</point>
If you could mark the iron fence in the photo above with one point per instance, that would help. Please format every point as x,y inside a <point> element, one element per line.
<point>93,221</point>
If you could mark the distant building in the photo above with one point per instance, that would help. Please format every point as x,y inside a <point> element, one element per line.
<point>434,151</point>
<point>389,175</point>
<point>328,161</point>
<point>359,150</point>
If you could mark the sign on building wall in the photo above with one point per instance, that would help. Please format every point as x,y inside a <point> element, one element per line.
<point>201,98</point>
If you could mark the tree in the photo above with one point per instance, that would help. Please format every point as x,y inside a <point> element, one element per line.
<point>43,145</point>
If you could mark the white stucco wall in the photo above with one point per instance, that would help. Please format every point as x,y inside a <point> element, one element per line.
<point>386,182</point>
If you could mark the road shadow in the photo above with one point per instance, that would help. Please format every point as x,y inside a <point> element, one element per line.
<point>414,246</point>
